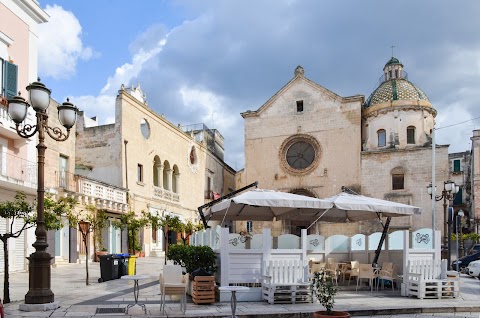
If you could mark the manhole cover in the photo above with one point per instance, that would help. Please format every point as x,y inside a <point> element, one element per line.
<point>110,311</point>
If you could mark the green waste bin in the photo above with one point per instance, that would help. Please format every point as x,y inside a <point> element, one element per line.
<point>132,269</point>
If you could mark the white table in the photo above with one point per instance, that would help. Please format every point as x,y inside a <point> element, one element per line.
<point>136,278</point>
<point>233,300</point>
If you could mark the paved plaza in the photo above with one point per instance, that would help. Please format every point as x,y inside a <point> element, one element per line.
<point>78,300</point>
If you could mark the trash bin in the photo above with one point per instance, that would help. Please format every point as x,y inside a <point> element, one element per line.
<point>109,265</point>
<point>132,269</point>
<point>123,265</point>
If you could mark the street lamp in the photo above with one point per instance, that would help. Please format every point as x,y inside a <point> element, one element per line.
<point>448,193</point>
<point>39,261</point>
<point>458,223</point>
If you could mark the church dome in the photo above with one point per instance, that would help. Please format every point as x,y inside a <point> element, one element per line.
<point>394,86</point>
<point>395,89</point>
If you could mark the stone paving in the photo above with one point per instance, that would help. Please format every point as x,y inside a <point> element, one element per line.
<point>78,300</point>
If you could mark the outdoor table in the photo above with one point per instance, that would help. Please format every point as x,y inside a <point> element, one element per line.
<point>233,300</point>
<point>136,278</point>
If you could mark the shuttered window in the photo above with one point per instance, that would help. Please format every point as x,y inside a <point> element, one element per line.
<point>10,78</point>
<point>456,165</point>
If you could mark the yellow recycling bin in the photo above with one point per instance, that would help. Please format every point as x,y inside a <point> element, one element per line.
<point>132,269</point>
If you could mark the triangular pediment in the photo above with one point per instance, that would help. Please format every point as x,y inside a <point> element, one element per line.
<point>300,79</point>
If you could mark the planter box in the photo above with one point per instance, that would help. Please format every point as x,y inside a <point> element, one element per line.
<point>203,290</point>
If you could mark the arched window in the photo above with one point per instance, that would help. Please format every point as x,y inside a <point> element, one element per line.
<point>382,137</point>
<point>410,135</point>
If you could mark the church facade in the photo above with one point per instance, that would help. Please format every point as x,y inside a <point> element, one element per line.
<point>309,140</point>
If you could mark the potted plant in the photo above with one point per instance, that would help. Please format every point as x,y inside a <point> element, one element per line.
<point>325,290</point>
<point>192,258</point>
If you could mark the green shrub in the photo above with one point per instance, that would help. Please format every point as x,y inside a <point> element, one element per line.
<point>193,257</point>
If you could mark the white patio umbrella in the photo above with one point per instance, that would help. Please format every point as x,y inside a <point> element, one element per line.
<point>351,208</point>
<point>264,205</point>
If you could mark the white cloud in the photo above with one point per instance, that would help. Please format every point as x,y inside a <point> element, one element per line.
<point>102,106</point>
<point>60,45</point>
<point>454,128</point>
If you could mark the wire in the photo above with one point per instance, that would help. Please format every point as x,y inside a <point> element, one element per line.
<point>466,121</point>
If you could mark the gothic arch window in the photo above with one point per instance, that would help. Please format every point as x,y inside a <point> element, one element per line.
<point>166,171</point>
<point>175,177</point>
<point>382,137</point>
<point>411,135</point>
<point>156,166</point>
<point>398,178</point>
<point>300,154</point>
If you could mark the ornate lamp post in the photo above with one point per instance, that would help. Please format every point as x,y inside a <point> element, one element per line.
<point>448,193</point>
<point>39,261</point>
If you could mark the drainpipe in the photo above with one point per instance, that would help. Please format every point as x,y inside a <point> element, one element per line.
<point>126,166</point>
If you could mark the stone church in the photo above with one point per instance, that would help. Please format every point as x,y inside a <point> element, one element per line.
<point>308,140</point>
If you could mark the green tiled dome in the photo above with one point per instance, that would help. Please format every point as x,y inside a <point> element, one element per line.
<point>395,89</point>
<point>393,60</point>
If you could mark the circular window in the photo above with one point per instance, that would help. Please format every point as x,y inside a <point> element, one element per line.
<point>192,159</point>
<point>300,154</point>
<point>145,128</point>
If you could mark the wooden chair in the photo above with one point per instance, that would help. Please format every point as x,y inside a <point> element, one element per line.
<point>388,274</point>
<point>173,282</point>
<point>366,271</point>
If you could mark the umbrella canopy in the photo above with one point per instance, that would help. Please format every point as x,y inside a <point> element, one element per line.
<point>351,208</point>
<point>264,205</point>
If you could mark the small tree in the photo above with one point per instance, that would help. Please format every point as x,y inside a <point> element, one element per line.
<point>19,210</point>
<point>90,220</point>
<point>187,229</point>
<point>167,222</point>
<point>132,224</point>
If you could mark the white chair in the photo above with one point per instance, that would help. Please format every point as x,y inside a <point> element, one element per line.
<point>173,282</point>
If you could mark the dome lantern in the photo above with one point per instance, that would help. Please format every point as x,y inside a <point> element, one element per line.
<point>393,69</point>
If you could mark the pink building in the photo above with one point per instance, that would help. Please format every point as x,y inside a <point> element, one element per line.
<point>18,67</point>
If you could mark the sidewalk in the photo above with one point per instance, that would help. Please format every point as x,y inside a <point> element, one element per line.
<point>78,300</point>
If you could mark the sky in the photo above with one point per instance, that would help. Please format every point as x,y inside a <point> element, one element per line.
<point>208,61</point>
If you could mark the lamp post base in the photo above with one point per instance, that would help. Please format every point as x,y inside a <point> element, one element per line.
<point>39,307</point>
<point>39,273</point>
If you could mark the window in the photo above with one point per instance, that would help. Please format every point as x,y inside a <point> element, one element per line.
<point>299,106</point>
<point>8,78</point>
<point>411,135</point>
<point>456,165</point>
<point>208,192</point>
<point>396,73</point>
<point>249,226</point>
<point>382,138</point>
<point>145,128</point>
<point>63,168</point>
<point>389,74</point>
<point>300,155</point>
<point>140,173</point>
<point>398,182</point>
<point>458,197</point>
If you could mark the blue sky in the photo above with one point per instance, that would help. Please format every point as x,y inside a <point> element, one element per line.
<point>208,61</point>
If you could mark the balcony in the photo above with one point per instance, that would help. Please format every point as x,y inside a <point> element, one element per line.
<point>91,191</point>
<point>17,173</point>
<point>160,193</point>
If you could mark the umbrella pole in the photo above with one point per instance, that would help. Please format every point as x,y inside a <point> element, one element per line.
<point>382,239</point>
<point>318,218</point>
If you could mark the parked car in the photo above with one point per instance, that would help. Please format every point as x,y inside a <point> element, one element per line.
<point>474,249</point>
<point>473,269</point>
<point>464,261</point>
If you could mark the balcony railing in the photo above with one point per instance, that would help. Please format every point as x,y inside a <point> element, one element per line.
<point>93,191</point>
<point>165,194</point>
<point>18,169</point>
